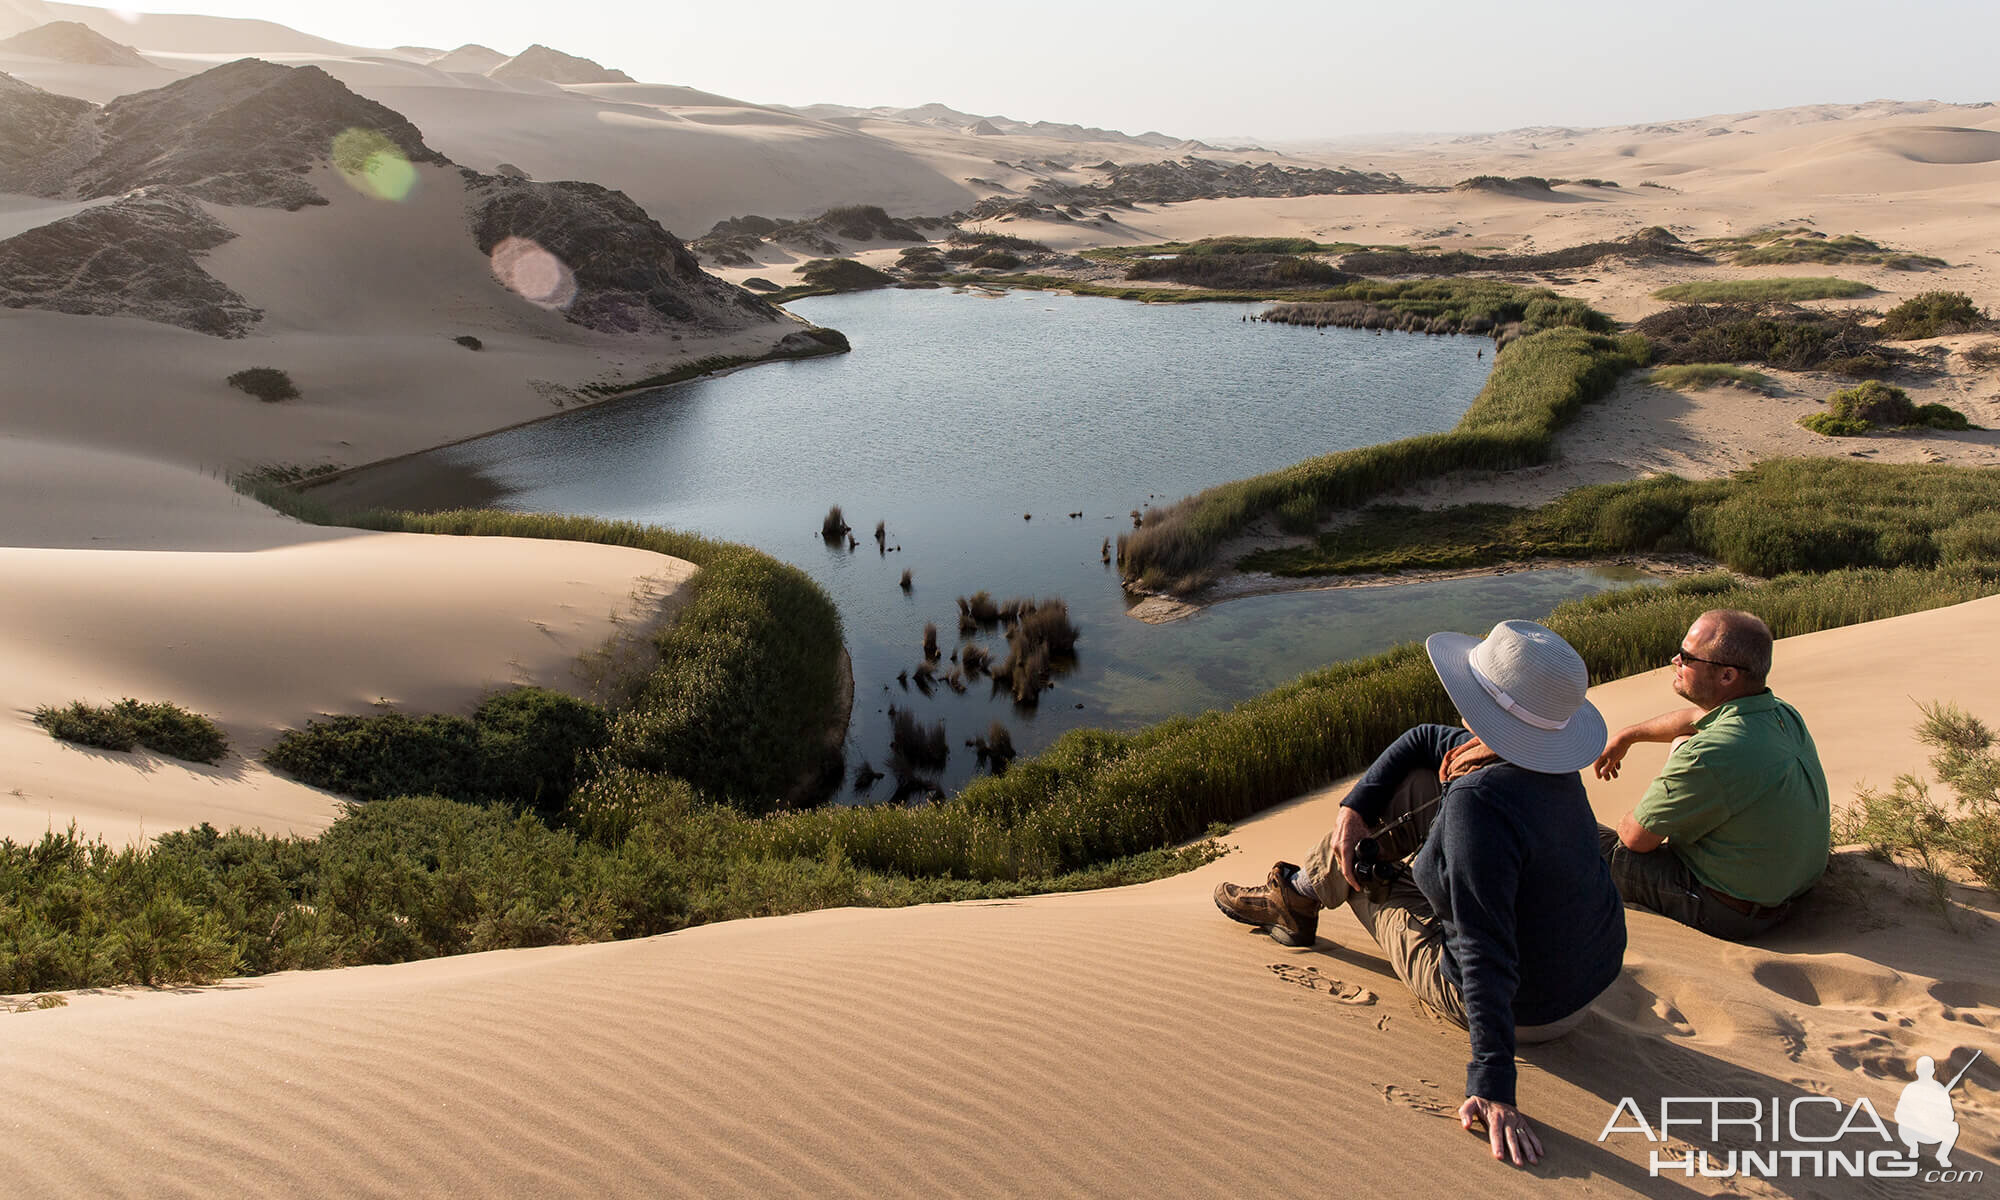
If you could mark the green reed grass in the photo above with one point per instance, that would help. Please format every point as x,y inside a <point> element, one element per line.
<point>1539,383</point>
<point>1780,516</point>
<point>1692,377</point>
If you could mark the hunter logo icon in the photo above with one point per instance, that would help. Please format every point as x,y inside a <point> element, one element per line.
<point>1924,1114</point>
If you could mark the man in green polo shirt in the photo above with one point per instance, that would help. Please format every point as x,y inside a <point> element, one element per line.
<point>1736,825</point>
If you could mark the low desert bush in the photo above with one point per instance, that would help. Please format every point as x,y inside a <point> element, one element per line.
<point>268,384</point>
<point>1790,338</point>
<point>469,342</point>
<point>997,260</point>
<point>1932,314</point>
<point>1907,823</point>
<point>160,727</point>
<point>1875,405</point>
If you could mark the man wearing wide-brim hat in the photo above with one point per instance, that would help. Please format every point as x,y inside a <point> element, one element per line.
<point>1507,922</point>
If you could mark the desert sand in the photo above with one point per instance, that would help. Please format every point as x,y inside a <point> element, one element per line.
<point>1124,1042</point>
<point>1129,1042</point>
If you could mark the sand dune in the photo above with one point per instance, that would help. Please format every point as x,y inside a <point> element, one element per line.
<point>1121,1043</point>
<point>130,577</point>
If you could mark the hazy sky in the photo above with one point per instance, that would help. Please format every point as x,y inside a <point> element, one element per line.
<point>1279,71</point>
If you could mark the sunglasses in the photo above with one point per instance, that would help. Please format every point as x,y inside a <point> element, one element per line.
<point>1682,656</point>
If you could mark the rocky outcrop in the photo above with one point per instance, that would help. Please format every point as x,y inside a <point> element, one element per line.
<point>73,42</point>
<point>553,66</point>
<point>134,257</point>
<point>629,275</point>
<point>44,138</point>
<point>243,133</point>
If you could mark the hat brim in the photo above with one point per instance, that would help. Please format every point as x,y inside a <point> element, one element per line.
<point>1552,752</point>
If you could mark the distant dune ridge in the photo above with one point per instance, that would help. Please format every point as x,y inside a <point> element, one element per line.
<point>470,59</point>
<point>73,42</point>
<point>540,62</point>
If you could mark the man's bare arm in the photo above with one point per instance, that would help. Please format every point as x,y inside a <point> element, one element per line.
<point>1637,838</point>
<point>1663,728</point>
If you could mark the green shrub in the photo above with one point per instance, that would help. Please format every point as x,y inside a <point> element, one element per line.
<point>1932,314</point>
<point>998,260</point>
<point>174,731</point>
<point>1793,339</point>
<point>1833,426</point>
<point>533,744</point>
<point>88,725</point>
<point>1908,823</point>
<point>370,758</point>
<point>160,727</point>
<point>1873,402</point>
<point>525,747</point>
<point>469,342</point>
<point>268,384</point>
<point>1939,416</point>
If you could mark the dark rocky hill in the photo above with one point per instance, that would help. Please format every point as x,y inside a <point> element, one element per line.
<point>631,275</point>
<point>249,133</point>
<point>134,257</point>
<point>44,138</point>
<point>553,66</point>
<point>244,133</point>
<point>73,42</point>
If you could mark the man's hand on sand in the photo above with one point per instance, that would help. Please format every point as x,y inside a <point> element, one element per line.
<point>1513,1138</point>
<point>1348,830</point>
<point>1464,759</point>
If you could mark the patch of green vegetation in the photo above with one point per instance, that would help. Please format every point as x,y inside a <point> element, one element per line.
<point>527,747</point>
<point>1692,377</point>
<point>1228,245</point>
<point>268,384</point>
<point>1875,405</point>
<point>748,673</point>
<point>1794,339</point>
<point>1779,517</point>
<point>1932,314</point>
<point>1540,381</point>
<point>1239,271</point>
<point>418,877</point>
<point>160,727</point>
<point>1763,291</point>
<point>1906,824</point>
<point>1803,245</point>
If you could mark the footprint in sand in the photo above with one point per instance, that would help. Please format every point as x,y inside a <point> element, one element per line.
<point>1430,1106</point>
<point>1310,979</point>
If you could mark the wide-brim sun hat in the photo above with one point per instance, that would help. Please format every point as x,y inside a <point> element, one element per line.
<point>1521,691</point>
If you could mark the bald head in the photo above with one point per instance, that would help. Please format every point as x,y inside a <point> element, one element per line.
<point>1741,638</point>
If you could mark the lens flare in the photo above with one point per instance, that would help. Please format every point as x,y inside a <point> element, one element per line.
<point>372,165</point>
<point>533,273</point>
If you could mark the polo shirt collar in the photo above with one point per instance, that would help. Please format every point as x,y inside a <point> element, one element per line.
<point>1755,702</point>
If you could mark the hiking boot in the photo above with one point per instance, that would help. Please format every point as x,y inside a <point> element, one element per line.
<point>1292,919</point>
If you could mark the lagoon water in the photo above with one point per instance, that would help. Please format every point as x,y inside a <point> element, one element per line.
<point>974,425</point>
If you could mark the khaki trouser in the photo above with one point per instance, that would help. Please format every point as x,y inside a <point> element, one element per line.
<point>1403,923</point>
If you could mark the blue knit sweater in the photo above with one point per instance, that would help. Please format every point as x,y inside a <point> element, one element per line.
<point>1534,929</point>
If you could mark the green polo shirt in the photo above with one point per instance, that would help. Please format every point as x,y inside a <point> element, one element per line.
<point>1743,801</point>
